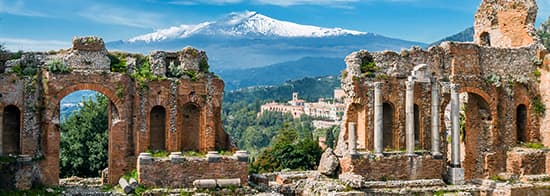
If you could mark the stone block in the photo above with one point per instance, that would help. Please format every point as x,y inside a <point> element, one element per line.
<point>259,179</point>
<point>213,157</point>
<point>455,176</point>
<point>145,158</point>
<point>241,155</point>
<point>223,183</point>
<point>88,44</point>
<point>205,183</point>
<point>176,157</point>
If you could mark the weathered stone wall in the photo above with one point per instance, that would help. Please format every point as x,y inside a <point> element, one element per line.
<point>16,172</point>
<point>29,85</point>
<point>394,167</point>
<point>505,23</point>
<point>180,171</point>
<point>501,80</point>
<point>524,161</point>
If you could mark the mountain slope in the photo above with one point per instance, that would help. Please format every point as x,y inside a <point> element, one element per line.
<point>281,72</point>
<point>464,36</point>
<point>250,39</point>
<point>244,24</point>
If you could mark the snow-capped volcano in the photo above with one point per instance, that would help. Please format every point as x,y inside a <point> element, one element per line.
<point>245,24</point>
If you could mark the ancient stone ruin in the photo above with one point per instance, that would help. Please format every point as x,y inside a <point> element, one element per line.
<point>165,101</point>
<point>402,119</point>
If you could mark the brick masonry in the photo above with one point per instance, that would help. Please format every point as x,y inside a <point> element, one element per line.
<point>394,167</point>
<point>498,79</point>
<point>38,100</point>
<point>164,172</point>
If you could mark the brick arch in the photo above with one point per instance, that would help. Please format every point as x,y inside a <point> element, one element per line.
<point>116,131</point>
<point>192,127</point>
<point>89,86</point>
<point>480,133</point>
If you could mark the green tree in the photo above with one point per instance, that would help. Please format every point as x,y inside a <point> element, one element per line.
<point>84,139</point>
<point>544,33</point>
<point>288,151</point>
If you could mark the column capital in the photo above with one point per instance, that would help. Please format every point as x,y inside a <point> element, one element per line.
<point>455,87</point>
<point>409,84</point>
<point>378,85</point>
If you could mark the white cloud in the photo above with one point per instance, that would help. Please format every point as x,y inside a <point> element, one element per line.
<point>122,16</point>
<point>213,2</point>
<point>337,3</point>
<point>18,8</point>
<point>16,44</point>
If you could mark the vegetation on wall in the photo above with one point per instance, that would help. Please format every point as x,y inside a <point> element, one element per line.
<point>56,66</point>
<point>84,139</point>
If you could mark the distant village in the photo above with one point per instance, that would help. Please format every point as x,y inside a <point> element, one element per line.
<point>325,112</point>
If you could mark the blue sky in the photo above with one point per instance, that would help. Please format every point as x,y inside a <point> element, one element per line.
<point>50,24</point>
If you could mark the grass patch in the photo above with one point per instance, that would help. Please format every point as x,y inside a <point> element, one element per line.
<point>193,154</point>
<point>533,145</point>
<point>158,153</point>
<point>131,174</point>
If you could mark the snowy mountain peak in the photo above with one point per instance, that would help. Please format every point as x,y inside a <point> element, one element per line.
<point>246,23</point>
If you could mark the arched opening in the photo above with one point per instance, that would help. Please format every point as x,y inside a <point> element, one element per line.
<point>485,39</point>
<point>11,130</point>
<point>416,126</point>
<point>84,134</point>
<point>190,135</point>
<point>157,128</point>
<point>388,126</point>
<point>521,123</point>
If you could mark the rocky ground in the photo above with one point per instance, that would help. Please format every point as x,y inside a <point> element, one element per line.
<point>314,183</point>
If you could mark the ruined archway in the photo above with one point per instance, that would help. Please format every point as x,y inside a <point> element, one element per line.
<point>84,125</point>
<point>485,39</point>
<point>477,133</point>
<point>157,128</point>
<point>190,134</point>
<point>11,130</point>
<point>116,131</point>
<point>388,113</point>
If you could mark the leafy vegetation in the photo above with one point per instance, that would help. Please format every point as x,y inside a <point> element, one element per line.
<point>538,107</point>
<point>288,150</point>
<point>56,66</point>
<point>84,139</point>
<point>544,33</point>
<point>158,153</point>
<point>118,61</point>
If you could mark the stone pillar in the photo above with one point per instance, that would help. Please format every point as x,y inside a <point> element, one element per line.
<point>352,139</point>
<point>378,119</point>
<point>409,117</point>
<point>456,174</point>
<point>435,119</point>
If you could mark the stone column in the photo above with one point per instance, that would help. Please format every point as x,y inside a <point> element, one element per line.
<point>352,139</point>
<point>435,119</point>
<point>409,117</point>
<point>455,126</point>
<point>456,174</point>
<point>378,119</point>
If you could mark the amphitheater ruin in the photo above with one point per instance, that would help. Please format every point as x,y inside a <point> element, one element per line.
<point>402,119</point>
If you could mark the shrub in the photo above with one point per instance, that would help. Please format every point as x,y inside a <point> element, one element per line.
<point>57,67</point>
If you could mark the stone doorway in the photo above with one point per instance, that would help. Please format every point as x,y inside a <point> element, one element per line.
<point>190,135</point>
<point>157,128</point>
<point>11,130</point>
